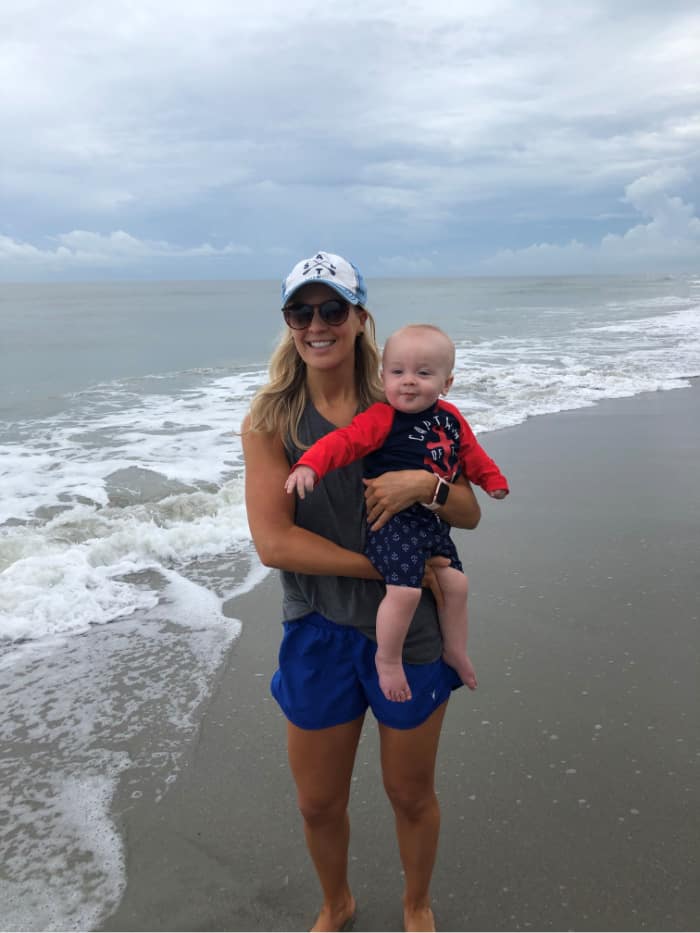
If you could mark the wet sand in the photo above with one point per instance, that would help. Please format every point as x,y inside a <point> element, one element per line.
<point>568,781</point>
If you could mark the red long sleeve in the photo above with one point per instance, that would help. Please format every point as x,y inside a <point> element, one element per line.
<point>365,433</point>
<point>478,467</point>
<point>368,431</point>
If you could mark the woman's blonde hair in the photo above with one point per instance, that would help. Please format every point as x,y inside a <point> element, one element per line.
<point>279,405</point>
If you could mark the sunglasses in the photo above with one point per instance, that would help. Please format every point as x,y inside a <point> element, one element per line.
<point>334,312</point>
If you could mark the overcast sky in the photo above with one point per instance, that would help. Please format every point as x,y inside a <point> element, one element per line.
<point>225,139</point>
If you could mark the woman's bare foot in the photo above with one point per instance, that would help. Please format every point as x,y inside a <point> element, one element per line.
<point>392,679</point>
<point>418,919</point>
<point>332,918</point>
<point>462,664</point>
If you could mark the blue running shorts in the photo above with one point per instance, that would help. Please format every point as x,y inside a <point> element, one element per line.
<point>327,677</point>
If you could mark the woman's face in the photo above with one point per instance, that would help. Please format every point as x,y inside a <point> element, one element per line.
<point>321,345</point>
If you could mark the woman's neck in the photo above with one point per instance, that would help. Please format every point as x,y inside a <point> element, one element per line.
<point>333,396</point>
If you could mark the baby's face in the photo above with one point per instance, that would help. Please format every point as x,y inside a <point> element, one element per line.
<point>415,371</point>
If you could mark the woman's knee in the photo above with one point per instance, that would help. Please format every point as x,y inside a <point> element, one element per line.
<point>408,766</point>
<point>411,798</point>
<point>322,762</point>
<point>321,810</point>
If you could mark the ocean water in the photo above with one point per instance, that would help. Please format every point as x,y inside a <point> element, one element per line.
<point>123,532</point>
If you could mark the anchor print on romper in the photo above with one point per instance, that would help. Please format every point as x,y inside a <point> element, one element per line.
<point>439,452</point>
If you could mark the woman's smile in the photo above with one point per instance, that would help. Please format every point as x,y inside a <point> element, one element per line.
<point>319,344</point>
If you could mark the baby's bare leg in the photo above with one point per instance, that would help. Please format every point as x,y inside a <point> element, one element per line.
<point>393,619</point>
<point>454,623</point>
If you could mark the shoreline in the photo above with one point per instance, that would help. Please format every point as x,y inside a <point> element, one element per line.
<point>568,781</point>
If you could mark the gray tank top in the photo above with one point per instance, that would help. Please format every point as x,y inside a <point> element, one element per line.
<point>336,511</point>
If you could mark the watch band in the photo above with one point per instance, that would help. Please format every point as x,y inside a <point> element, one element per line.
<point>442,491</point>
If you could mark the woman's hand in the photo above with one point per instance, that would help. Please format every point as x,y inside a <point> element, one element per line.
<point>394,491</point>
<point>430,580</point>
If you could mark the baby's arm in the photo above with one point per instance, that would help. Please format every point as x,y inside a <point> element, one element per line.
<point>482,470</point>
<point>478,467</point>
<point>340,447</point>
<point>301,481</point>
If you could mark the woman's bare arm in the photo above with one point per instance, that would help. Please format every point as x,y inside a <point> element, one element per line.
<point>398,489</point>
<point>281,543</point>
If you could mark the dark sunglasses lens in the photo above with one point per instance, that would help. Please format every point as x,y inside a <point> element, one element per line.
<point>298,316</point>
<point>333,312</point>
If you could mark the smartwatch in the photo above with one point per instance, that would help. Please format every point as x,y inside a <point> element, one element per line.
<point>442,491</point>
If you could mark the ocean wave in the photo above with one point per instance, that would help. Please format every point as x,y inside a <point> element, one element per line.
<point>139,478</point>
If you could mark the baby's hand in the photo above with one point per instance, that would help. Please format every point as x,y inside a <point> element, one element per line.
<point>499,493</point>
<point>303,479</point>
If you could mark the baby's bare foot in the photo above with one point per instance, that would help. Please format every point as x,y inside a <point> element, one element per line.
<point>335,918</point>
<point>392,679</point>
<point>462,664</point>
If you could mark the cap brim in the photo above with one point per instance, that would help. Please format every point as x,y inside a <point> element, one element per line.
<point>336,286</point>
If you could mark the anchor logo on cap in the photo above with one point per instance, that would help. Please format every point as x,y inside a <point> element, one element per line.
<point>319,264</point>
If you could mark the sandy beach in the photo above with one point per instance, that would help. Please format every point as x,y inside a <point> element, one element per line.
<point>568,781</point>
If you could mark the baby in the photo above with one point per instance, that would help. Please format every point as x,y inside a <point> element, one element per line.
<point>415,430</point>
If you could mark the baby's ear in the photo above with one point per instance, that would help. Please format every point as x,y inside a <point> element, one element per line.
<point>448,385</point>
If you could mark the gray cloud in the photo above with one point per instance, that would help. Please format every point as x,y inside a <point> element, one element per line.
<point>455,131</point>
<point>670,239</point>
<point>82,248</point>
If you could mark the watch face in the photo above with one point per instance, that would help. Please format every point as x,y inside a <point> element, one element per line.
<point>442,493</point>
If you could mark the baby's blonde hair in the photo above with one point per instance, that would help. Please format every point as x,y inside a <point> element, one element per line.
<point>433,330</point>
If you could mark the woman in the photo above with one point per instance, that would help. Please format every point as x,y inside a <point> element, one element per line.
<point>325,370</point>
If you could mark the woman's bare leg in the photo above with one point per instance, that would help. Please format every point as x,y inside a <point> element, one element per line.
<point>321,761</point>
<point>408,767</point>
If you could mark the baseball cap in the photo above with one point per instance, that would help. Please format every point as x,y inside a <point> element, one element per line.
<point>331,270</point>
